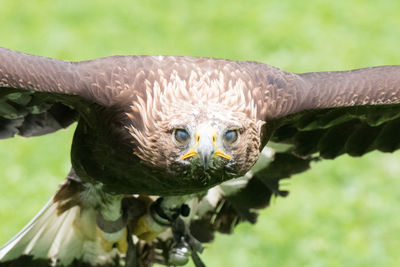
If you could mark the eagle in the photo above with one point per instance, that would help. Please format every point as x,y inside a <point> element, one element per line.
<point>169,150</point>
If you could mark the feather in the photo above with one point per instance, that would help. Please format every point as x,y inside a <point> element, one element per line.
<point>128,106</point>
<point>63,238</point>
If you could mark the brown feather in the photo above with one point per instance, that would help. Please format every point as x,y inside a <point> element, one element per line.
<point>129,106</point>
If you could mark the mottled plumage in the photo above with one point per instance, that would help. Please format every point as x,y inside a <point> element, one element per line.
<point>171,149</point>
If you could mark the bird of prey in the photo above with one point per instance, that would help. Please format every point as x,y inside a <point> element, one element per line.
<point>169,150</point>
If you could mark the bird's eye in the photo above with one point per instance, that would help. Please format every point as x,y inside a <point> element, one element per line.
<point>231,136</point>
<point>181,136</point>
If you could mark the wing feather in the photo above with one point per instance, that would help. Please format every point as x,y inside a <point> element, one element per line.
<point>30,94</point>
<point>367,86</point>
<point>337,112</point>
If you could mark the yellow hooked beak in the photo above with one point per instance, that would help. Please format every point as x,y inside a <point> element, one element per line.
<point>205,146</point>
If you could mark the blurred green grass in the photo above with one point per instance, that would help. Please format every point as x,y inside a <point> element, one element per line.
<point>344,212</point>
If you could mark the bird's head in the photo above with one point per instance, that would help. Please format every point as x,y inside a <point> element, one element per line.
<point>197,137</point>
<point>212,145</point>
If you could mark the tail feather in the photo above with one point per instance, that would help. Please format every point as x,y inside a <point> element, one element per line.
<point>65,237</point>
<point>24,240</point>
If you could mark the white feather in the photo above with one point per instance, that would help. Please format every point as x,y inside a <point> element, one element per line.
<point>62,238</point>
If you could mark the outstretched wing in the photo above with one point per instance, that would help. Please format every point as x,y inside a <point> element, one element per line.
<point>37,95</point>
<point>40,95</point>
<point>351,112</point>
<point>323,115</point>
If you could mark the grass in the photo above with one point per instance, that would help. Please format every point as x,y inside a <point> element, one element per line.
<point>341,213</point>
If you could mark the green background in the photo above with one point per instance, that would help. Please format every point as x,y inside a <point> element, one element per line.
<point>344,212</point>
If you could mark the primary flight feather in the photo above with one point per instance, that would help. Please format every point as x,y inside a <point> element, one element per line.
<point>168,150</point>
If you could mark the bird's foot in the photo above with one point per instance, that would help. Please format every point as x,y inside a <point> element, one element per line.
<point>182,245</point>
<point>114,233</point>
<point>147,220</point>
